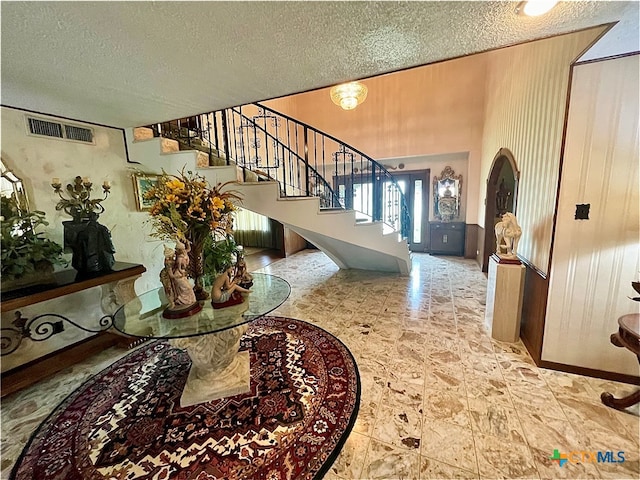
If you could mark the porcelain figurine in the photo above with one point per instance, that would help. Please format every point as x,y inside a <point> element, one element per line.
<point>182,300</point>
<point>225,287</point>
<point>509,232</point>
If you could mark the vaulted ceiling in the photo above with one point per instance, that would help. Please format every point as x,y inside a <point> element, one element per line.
<point>133,63</point>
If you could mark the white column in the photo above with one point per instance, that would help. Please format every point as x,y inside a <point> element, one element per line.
<point>505,288</point>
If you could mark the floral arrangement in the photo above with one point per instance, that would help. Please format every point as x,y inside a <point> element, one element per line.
<point>186,207</point>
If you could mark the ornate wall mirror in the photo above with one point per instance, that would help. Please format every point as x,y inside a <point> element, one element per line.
<point>447,190</point>
<point>11,186</point>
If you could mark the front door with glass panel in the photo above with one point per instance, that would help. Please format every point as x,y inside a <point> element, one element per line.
<point>415,186</point>
<point>356,192</point>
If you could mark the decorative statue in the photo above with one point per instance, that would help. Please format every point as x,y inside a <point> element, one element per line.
<point>177,287</point>
<point>225,288</point>
<point>93,248</point>
<point>242,277</point>
<point>508,231</point>
<point>165,278</point>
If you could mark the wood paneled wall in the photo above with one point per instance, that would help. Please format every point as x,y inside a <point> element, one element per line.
<point>536,288</point>
<point>595,260</point>
<point>471,241</point>
<point>527,88</point>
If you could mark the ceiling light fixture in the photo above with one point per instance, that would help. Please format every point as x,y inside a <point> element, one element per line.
<point>348,95</point>
<point>534,8</point>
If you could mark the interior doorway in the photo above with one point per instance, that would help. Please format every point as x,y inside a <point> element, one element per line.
<point>502,192</point>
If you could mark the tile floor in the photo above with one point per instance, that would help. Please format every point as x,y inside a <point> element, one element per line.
<point>440,398</point>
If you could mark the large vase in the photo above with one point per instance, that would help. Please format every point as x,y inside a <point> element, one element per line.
<point>196,268</point>
<point>71,230</point>
<point>91,245</point>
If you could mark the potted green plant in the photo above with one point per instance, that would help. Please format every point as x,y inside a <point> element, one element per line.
<point>218,254</point>
<point>27,255</point>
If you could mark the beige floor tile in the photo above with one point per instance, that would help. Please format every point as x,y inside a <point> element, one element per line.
<point>433,469</point>
<point>444,376</point>
<point>549,433</point>
<point>492,418</point>
<point>386,462</point>
<point>399,393</point>
<point>349,463</point>
<point>424,354</point>
<point>400,426</point>
<point>488,388</point>
<point>449,443</point>
<point>499,458</point>
<point>447,406</point>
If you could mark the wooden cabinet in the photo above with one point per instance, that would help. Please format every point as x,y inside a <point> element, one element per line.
<point>446,238</point>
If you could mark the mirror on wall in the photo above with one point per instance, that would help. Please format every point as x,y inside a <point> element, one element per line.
<point>12,186</point>
<point>447,190</point>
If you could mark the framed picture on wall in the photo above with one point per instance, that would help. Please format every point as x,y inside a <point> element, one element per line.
<point>142,182</point>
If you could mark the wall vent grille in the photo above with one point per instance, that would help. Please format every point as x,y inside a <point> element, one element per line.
<point>47,128</point>
<point>78,133</point>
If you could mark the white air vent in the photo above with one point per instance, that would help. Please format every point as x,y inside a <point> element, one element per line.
<point>47,128</point>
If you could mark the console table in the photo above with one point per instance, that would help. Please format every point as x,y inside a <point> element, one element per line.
<point>627,336</point>
<point>46,328</point>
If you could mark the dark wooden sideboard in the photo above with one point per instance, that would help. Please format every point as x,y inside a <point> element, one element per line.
<point>446,238</point>
<point>95,297</point>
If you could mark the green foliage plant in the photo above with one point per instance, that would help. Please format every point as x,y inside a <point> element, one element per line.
<point>218,255</point>
<point>25,249</point>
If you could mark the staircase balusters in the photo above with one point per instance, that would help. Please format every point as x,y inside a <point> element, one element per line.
<point>250,136</point>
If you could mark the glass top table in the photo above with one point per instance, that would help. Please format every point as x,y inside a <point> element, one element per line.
<point>142,316</point>
<point>211,337</point>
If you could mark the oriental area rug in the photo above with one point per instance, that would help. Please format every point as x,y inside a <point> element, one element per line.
<point>127,423</point>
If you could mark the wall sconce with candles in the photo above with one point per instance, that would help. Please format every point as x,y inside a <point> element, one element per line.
<point>349,95</point>
<point>80,204</point>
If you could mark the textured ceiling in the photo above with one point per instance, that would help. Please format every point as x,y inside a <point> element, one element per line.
<point>132,63</point>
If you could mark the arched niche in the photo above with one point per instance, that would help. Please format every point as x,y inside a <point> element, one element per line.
<point>501,196</point>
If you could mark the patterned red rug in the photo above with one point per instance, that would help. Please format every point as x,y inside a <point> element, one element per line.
<point>126,422</point>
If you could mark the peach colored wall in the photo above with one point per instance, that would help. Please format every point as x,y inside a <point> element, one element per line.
<point>436,109</point>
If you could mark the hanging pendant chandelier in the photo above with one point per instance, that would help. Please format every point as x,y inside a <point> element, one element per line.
<point>349,95</point>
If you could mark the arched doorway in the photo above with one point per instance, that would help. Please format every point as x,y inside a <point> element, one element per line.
<point>502,192</point>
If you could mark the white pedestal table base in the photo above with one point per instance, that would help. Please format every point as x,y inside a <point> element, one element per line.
<point>218,370</point>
